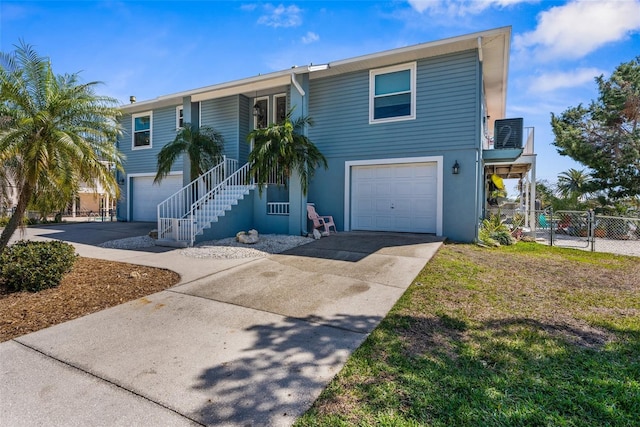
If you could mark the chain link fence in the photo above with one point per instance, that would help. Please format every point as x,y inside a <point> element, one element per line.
<point>584,230</point>
<point>590,231</point>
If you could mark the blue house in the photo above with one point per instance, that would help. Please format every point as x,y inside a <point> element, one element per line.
<point>408,135</point>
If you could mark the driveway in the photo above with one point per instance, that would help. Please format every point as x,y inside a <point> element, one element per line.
<point>253,342</point>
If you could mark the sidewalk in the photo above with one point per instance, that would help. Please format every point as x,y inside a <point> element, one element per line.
<point>244,342</point>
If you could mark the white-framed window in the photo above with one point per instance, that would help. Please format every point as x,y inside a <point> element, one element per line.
<point>142,125</point>
<point>392,93</point>
<point>261,112</point>
<point>279,108</point>
<point>179,117</point>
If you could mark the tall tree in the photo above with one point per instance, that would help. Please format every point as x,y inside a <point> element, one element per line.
<point>203,145</point>
<point>605,136</point>
<point>55,131</point>
<point>574,184</point>
<point>282,148</point>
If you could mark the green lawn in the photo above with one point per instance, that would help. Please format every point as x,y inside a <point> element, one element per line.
<point>520,335</point>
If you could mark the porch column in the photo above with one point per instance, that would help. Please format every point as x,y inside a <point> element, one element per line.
<point>299,99</point>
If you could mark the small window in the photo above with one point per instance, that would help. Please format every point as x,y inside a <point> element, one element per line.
<point>392,93</point>
<point>142,130</point>
<point>179,117</point>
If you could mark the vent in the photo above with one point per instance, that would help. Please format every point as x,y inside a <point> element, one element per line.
<point>507,133</point>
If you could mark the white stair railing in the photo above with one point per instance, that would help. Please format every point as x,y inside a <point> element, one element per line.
<point>219,200</point>
<point>176,208</point>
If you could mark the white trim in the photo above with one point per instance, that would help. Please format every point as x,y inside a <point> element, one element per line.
<point>412,67</point>
<point>137,175</point>
<point>133,130</point>
<point>438,160</point>
<point>275,105</point>
<point>178,109</point>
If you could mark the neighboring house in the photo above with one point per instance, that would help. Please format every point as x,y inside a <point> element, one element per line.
<point>392,126</point>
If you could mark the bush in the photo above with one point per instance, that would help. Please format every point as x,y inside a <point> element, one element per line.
<point>494,232</point>
<point>33,266</point>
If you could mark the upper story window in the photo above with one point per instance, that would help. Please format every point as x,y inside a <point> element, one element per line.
<point>392,93</point>
<point>280,108</point>
<point>179,117</point>
<point>261,113</point>
<point>142,130</point>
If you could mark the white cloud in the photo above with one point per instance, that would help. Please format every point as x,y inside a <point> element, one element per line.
<point>310,37</point>
<point>281,16</point>
<point>550,82</point>
<point>577,28</point>
<point>461,7</point>
<point>248,7</point>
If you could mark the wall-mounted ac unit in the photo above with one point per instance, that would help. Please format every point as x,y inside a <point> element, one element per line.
<point>507,133</point>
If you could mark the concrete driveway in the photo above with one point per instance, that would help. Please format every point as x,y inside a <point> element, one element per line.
<point>248,343</point>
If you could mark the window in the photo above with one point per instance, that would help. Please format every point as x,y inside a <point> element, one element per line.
<point>142,130</point>
<point>179,117</point>
<point>261,113</point>
<point>392,93</point>
<point>280,109</point>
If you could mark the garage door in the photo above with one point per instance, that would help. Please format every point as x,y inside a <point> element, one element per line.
<point>396,197</point>
<point>145,196</point>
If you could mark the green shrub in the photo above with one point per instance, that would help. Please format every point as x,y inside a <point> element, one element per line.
<point>33,266</point>
<point>494,232</point>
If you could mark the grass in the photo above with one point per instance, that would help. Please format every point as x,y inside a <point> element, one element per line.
<point>514,336</point>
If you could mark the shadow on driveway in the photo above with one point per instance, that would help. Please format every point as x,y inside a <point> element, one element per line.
<point>94,233</point>
<point>353,246</point>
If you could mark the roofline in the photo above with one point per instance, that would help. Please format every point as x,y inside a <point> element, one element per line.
<point>260,81</point>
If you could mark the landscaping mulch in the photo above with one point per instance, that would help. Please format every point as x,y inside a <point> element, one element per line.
<point>91,286</point>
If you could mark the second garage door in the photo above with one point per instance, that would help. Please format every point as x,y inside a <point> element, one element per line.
<point>145,196</point>
<point>395,197</point>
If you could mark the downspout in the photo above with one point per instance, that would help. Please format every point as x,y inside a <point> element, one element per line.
<point>300,91</point>
<point>479,161</point>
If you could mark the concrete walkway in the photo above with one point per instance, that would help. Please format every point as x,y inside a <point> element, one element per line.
<point>248,342</point>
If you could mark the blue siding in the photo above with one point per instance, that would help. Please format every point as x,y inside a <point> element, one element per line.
<point>146,160</point>
<point>244,127</point>
<point>447,124</point>
<point>163,132</point>
<point>446,112</point>
<point>223,115</point>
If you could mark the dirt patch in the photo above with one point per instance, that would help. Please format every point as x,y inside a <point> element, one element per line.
<point>91,286</point>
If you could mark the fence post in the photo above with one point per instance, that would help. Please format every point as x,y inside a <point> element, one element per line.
<point>551,226</point>
<point>592,228</point>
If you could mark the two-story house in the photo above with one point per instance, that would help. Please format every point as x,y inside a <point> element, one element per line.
<point>407,133</point>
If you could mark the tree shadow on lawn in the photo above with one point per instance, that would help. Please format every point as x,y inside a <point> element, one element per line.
<point>282,372</point>
<point>518,371</point>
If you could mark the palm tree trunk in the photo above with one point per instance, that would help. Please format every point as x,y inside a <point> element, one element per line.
<point>16,218</point>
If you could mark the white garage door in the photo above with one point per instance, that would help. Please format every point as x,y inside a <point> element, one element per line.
<point>145,195</point>
<point>396,197</point>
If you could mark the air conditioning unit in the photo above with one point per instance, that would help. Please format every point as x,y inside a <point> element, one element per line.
<point>507,133</point>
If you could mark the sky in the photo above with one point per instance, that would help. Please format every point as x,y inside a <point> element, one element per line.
<point>154,48</point>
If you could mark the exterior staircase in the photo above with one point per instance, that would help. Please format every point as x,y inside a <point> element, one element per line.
<point>199,205</point>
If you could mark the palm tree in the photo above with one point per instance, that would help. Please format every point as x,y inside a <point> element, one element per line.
<point>55,131</point>
<point>574,184</point>
<point>203,146</point>
<point>282,149</point>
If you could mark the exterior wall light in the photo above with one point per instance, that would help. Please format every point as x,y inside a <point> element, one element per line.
<point>456,168</point>
<point>257,111</point>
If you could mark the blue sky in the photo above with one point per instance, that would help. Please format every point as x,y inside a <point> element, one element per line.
<point>153,48</point>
